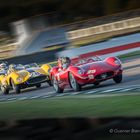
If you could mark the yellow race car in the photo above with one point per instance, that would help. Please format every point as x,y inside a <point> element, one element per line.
<point>18,77</point>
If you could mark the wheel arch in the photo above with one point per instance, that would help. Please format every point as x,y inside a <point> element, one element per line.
<point>69,77</point>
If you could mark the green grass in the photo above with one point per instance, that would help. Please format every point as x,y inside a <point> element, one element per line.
<point>68,106</point>
<point>135,53</point>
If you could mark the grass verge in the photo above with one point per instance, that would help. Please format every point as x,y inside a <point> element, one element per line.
<point>128,55</point>
<point>68,106</point>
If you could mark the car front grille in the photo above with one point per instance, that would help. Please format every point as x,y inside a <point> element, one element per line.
<point>108,75</point>
<point>38,79</point>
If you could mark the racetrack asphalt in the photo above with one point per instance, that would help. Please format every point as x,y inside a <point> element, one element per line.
<point>131,80</point>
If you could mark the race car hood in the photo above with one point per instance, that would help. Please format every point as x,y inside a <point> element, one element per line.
<point>39,70</point>
<point>28,71</point>
<point>99,66</point>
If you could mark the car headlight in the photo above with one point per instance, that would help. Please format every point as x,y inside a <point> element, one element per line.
<point>80,72</point>
<point>117,62</point>
<point>19,79</point>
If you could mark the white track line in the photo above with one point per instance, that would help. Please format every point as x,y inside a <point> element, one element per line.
<point>111,90</point>
<point>22,98</point>
<point>35,97</point>
<point>127,89</point>
<point>84,94</point>
<point>75,93</point>
<point>103,95</point>
<point>11,99</point>
<point>90,92</point>
<point>46,96</point>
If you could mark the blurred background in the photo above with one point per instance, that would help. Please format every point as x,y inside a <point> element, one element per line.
<point>41,31</point>
<point>39,28</point>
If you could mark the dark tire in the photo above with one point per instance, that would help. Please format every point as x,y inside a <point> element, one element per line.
<point>118,78</point>
<point>38,85</point>
<point>50,83</point>
<point>56,85</point>
<point>73,83</point>
<point>16,88</point>
<point>4,90</point>
<point>96,83</point>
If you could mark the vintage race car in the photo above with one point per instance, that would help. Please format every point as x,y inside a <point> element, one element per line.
<point>86,71</point>
<point>24,76</point>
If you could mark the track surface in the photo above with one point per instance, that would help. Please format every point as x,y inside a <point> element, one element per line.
<point>131,80</point>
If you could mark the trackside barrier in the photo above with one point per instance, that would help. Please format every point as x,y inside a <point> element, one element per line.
<point>105,28</point>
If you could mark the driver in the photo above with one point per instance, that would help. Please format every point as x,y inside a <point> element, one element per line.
<point>12,68</point>
<point>66,62</point>
<point>3,66</point>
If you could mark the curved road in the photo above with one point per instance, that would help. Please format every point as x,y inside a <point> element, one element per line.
<point>131,80</point>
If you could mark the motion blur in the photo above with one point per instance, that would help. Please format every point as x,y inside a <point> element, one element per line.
<point>59,58</point>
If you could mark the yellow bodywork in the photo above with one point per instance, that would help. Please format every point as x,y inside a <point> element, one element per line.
<point>46,68</point>
<point>19,77</point>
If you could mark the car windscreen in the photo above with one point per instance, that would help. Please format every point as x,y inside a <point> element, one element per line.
<point>19,68</point>
<point>88,60</point>
<point>32,65</point>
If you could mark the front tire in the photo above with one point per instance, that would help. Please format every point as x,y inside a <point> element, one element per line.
<point>38,85</point>
<point>56,85</point>
<point>96,83</point>
<point>50,83</point>
<point>15,87</point>
<point>118,78</point>
<point>73,83</point>
<point>4,90</point>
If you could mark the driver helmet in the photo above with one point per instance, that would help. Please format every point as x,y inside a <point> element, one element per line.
<point>12,67</point>
<point>3,66</point>
<point>66,62</point>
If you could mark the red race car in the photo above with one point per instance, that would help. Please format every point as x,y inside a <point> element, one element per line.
<point>80,72</point>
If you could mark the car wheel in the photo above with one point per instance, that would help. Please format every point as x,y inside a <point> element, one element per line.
<point>96,83</point>
<point>50,83</point>
<point>56,85</point>
<point>4,90</point>
<point>15,87</point>
<point>73,83</point>
<point>118,78</point>
<point>38,85</point>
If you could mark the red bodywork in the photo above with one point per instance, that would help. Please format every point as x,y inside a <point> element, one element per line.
<point>89,71</point>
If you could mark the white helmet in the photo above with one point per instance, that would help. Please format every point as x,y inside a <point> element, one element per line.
<point>3,66</point>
